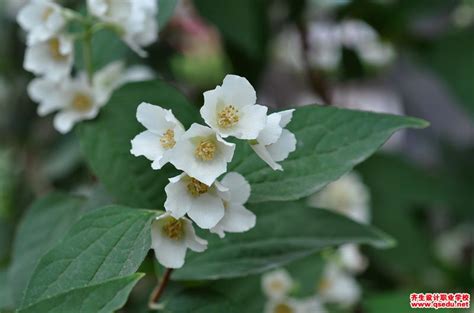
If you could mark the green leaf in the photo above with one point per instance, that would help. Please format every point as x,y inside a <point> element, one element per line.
<point>106,48</point>
<point>103,297</point>
<point>285,232</point>
<point>6,300</point>
<point>331,142</point>
<point>106,143</point>
<point>45,223</point>
<point>104,244</point>
<point>242,23</point>
<point>199,300</point>
<point>165,11</point>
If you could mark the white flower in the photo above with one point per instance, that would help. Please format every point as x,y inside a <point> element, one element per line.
<point>376,53</point>
<point>170,238</point>
<point>312,305</point>
<point>202,153</point>
<point>338,286</point>
<point>136,19</point>
<point>451,246</point>
<point>52,58</point>
<point>277,284</point>
<point>115,74</point>
<point>230,109</point>
<point>288,305</point>
<point>356,33</point>
<point>42,19</point>
<point>351,258</point>
<point>325,45</point>
<point>163,131</point>
<point>348,195</point>
<point>237,218</point>
<point>73,98</point>
<point>204,204</point>
<point>275,143</point>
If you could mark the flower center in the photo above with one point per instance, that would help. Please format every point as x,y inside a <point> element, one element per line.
<point>81,102</point>
<point>174,228</point>
<point>283,308</point>
<point>55,49</point>
<point>276,285</point>
<point>205,150</point>
<point>167,140</point>
<point>196,188</point>
<point>324,285</point>
<point>228,117</point>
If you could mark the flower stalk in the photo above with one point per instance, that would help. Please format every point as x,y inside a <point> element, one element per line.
<point>158,291</point>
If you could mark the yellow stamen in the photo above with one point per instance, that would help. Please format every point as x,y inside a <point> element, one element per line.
<point>228,117</point>
<point>325,284</point>
<point>205,150</point>
<point>167,140</point>
<point>283,308</point>
<point>81,102</point>
<point>55,49</point>
<point>196,188</point>
<point>174,228</point>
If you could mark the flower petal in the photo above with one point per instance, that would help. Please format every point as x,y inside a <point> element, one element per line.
<point>147,144</point>
<point>153,117</point>
<point>272,130</point>
<point>237,219</point>
<point>237,91</point>
<point>238,186</point>
<point>286,144</point>
<point>262,152</point>
<point>206,210</point>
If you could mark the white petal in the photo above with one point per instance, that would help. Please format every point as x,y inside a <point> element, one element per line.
<point>148,145</point>
<point>286,117</point>
<point>47,93</point>
<point>65,120</point>
<point>237,91</point>
<point>238,186</point>
<point>171,253</point>
<point>277,284</point>
<point>237,219</point>
<point>209,109</point>
<point>207,210</point>
<point>262,152</point>
<point>272,130</point>
<point>286,144</point>
<point>153,117</point>
<point>178,202</point>
<point>252,120</point>
<point>194,242</point>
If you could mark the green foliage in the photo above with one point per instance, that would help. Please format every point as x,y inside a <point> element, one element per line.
<point>285,232</point>
<point>104,244</point>
<point>331,142</point>
<point>103,297</point>
<point>165,11</point>
<point>45,223</point>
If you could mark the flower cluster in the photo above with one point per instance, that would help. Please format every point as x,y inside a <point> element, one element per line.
<point>348,196</point>
<point>202,154</point>
<point>277,287</point>
<point>50,55</point>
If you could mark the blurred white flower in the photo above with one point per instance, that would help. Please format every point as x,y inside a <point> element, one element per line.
<point>170,238</point>
<point>356,33</point>
<point>136,20</point>
<point>72,97</point>
<point>42,19</point>
<point>453,247</point>
<point>312,305</point>
<point>339,287</point>
<point>325,45</point>
<point>274,143</point>
<point>348,195</point>
<point>202,153</point>
<point>237,218</point>
<point>376,53</point>
<point>230,109</point>
<point>52,58</point>
<point>290,305</point>
<point>277,284</point>
<point>351,258</point>
<point>115,74</point>
<point>163,131</point>
<point>204,204</point>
